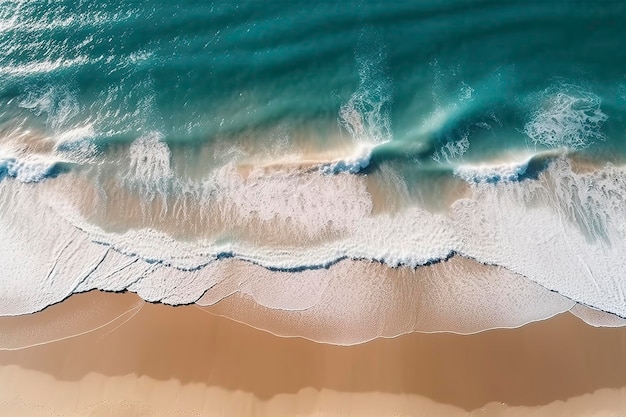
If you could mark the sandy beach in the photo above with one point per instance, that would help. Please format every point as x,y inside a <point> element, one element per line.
<point>150,360</point>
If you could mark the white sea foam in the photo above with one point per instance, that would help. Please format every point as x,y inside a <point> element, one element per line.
<point>13,19</point>
<point>452,150</point>
<point>59,105</point>
<point>356,300</point>
<point>43,67</point>
<point>75,135</point>
<point>33,169</point>
<point>492,173</point>
<point>497,225</point>
<point>563,230</point>
<point>568,117</point>
<point>308,201</point>
<point>150,163</point>
<point>366,114</point>
<point>76,144</point>
<point>352,164</point>
<point>19,162</point>
<point>44,257</point>
<point>61,109</point>
<point>31,156</point>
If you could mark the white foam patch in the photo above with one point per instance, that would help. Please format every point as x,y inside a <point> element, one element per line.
<point>61,109</point>
<point>30,157</point>
<point>305,204</point>
<point>452,150</point>
<point>366,115</point>
<point>150,168</point>
<point>75,135</point>
<point>43,67</point>
<point>155,284</point>
<point>565,232</point>
<point>18,18</point>
<point>492,173</point>
<point>568,117</point>
<point>352,164</point>
<point>58,104</point>
<point>31,169</point>
<point>43,257</point>
<point>310,202</point>
<point>115,272</point>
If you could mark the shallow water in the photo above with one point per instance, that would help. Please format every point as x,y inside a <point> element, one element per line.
<point>184,151</point>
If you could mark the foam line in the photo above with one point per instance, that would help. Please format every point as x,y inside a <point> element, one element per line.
<point>560,229</point>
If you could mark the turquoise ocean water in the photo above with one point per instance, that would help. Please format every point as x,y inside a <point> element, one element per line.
<point>329,160</point>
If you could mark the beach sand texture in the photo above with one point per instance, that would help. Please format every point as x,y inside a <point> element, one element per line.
<point>154,360</point>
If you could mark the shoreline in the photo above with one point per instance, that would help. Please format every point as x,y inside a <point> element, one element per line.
<point>189,351</point>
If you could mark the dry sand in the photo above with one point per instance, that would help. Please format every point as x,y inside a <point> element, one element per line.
<point>156,360</point>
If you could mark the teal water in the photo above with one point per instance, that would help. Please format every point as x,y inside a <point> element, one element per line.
<point>198,70</point>
<point>296,135</point>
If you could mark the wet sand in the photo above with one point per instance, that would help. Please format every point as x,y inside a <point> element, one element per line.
<point>158,360</point>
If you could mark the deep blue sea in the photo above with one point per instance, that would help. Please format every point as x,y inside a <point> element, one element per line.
<point>384,167</point>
